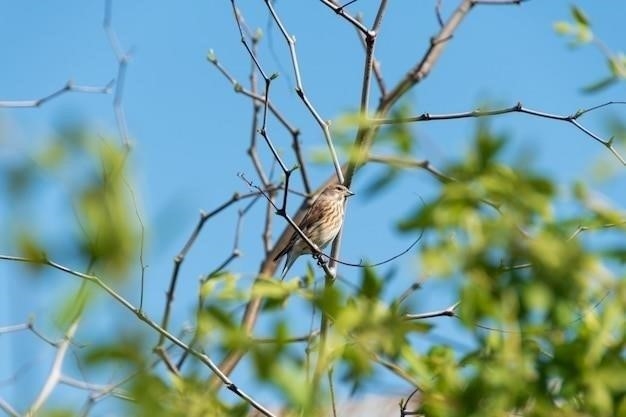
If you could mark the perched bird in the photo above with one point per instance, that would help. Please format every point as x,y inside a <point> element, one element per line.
<point>320,224</point>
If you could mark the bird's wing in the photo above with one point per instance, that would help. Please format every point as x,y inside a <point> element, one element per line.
<point>311,217</point>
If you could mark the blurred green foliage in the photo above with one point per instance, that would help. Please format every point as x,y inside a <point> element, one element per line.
<point>580,33</point>
<point>74,172</point>
<point>559,308</point>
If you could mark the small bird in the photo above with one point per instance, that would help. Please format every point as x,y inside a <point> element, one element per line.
<point>320,224</point>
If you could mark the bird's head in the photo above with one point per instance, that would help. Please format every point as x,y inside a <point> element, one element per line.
<point>338,190</point>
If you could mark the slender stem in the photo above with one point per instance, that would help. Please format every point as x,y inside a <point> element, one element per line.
<point>55,372</point>
<point>68,87</point>
<point>517,108</point>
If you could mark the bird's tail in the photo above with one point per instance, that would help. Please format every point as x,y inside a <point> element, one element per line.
<point>289,260</point>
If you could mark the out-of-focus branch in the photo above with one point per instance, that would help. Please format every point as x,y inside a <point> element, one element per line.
<point>402,162</point>
<point>446,312</point>
<point>30,326</point>
<point>581,229</point>
<point>122,65</point>
<point>499,2</point>
<point>55,372</point>
<point>98,393</point>
<point>296,339</point>
<point>69,87</point>
<point>7,408</point>
<point>395,369</point>
<point>112,389</point>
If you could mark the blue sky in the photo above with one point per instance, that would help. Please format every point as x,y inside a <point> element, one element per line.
<point>190,130</point>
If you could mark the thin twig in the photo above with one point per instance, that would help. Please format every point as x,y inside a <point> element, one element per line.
<point>295,339</point>
<point>395,369</point>
<point>447,312</point>
<point>212,58</point>
<point>30,325</point>
<point>114,388</point>
<point>268,82</point>
<point>408,292</point>
<point>111,388</point>
<point>260,99</point>
<point>499,2</point>
<point>55,372</point>
<point>178,259</point>
<point>517,108</point>
<point>266,236</point>
<point>67,88</point>
<point>122,60</point>
<point>581,229</point>
<point>405,403</point>
<point>375,264</point>
<point>169,364</point>
<point>376,70</point>
<point>331,389</point>
<point>7,408</point>
<point>402,162</point>
<point>235,253</point>
<point>142,236</point>
<point>14,328</point>
<point>340,10</point>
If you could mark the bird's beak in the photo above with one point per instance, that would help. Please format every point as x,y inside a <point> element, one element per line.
<point>349,193</point>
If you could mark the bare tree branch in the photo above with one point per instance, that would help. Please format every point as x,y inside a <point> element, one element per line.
<point>122,60</point>
<point>517,108</point>
<point>7,408</point>
<point>55,372</point>
<point>69,87</point>
<point>447,312</point>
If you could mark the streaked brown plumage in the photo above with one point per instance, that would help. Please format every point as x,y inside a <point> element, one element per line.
<point>320,224</point>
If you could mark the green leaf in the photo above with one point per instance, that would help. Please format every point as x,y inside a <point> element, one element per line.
<point>371,284</point>
<point>617,65</point>
<point>563,28</point>
<point>211,57</point>
<point>583,36</point>
<point>272,289</point>
<point>599,85</point>
<point>74,304</point>
<point>579,16</point>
